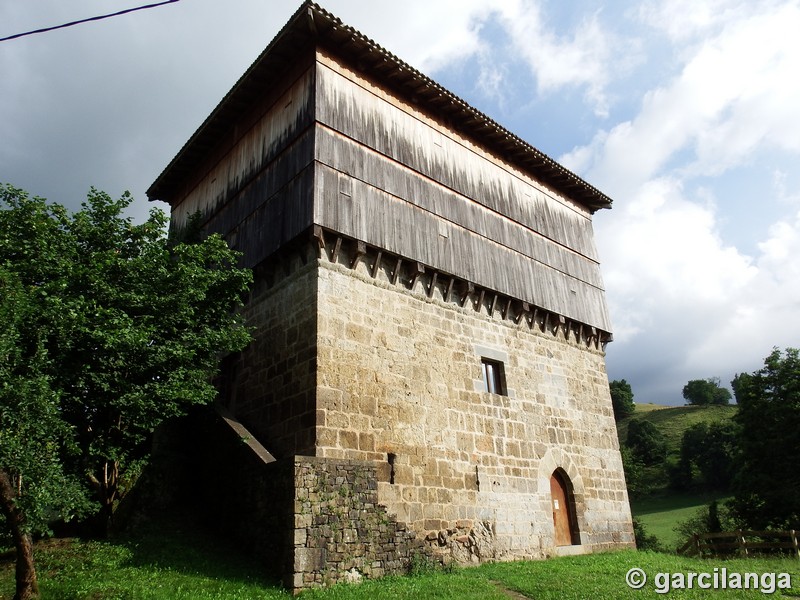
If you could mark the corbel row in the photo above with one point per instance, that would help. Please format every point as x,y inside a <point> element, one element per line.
<point>453,289</point>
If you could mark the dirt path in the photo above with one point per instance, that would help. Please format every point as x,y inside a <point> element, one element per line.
<point>510,593</point>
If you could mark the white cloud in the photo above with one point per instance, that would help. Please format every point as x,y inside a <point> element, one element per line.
<point>661,249</point>
<point>668,271</point>
<point>427,35</point>
<point>763,314</point>
<point>737,93</point>
<point>581,57</point>
<point>711,88</point>
<point>753,70</point>
<point>685,21</point>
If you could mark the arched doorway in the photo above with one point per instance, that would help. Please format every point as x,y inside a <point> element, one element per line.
<point>561,498</point>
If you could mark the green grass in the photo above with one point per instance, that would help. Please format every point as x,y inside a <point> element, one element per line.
<point>170,562</point>
<point>76,570</point>
<point>674,420</point>
<point>603,575</point>
<point>643,407</point>
<point>188,565</point>
<point>661,514</point>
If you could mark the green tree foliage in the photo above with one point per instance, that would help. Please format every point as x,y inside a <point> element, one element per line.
<point>35,485</point>
<point>635,475</point>
<point>645,540</point>
<point>108,330</point>
<point>708,519</point>
<point>646,442</point>
<point>768,482</point>
<point>708,450</point>
<point>706,391</point>
<point>621,399</point>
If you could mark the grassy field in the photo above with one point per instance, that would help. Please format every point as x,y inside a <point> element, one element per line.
<point>179,562</point>
<point>661,514</point>
<point>192,567</point>
<point>672,421</point>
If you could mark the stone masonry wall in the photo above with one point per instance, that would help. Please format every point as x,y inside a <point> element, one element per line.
<point>341,533</point>
<point>272,383</point>
<point>400,384</point>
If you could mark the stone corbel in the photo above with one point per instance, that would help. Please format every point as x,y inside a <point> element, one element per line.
<point>377,264</point>
<point>432,286</point>
<point>396,273</point>
<point>467,289</point>
<point>318,236</point>
<point>419,269</point>
<point>524,309</point>
<point>449,291</point>
<point>361,251</point>
<point>506,309</point>
<point>336,247</point>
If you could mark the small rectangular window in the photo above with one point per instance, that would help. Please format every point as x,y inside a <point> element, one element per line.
<point>493,376</point>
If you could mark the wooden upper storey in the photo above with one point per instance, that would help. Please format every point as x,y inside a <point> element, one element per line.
<point>312,26</point>
<point>317,134</point>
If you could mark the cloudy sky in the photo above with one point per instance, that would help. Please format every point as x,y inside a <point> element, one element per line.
<point>685,112</point>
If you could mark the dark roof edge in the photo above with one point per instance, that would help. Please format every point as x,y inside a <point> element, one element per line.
<point>311,21</point>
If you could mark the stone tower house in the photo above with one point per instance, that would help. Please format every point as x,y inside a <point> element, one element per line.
<point>428,367</point>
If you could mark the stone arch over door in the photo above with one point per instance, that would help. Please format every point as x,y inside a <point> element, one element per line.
<point>556,463</point>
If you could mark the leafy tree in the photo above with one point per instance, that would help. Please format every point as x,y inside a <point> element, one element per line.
<point>711,450</point>
<point>646,442</point>
<point>621,399</point>
<point>115,329</point>
<point>707,519</point>
<point>706,391</point>
<point>635,476</point>
<point>35,485</point>
<point>768,481</point>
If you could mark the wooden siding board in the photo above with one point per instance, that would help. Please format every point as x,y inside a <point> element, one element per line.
<point>290,114</point>
<point>361,163</point>
<point>385,221</point>
<point>277,221</point>
<point>358,110</point>
<point>264,187</point>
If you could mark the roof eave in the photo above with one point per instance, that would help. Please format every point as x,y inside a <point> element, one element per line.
<point>311,24</point>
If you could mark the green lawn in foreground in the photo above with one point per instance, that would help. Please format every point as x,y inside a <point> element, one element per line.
<point>188,566</point>
<point>603,575</point>
<point>72,569</point>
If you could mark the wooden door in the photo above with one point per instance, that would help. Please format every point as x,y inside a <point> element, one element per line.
<point>562,519</point>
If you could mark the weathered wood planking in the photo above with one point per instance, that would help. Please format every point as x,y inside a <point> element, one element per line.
<point>287,117</point>
<point>285,213</point>
<point>369,115</point>
<point>383,220</point>
<point>276,220</point>
<point>347,156</point>
<point>335,151</point>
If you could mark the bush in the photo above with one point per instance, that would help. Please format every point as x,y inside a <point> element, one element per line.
<point>646,442</point>
<point>621,399</point>
<point>709,519</point>
<point>425,564</point>
<point>644,540</point>
<point>635,476</point>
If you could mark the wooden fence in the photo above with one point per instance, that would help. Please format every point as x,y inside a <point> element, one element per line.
<point>743,543</point>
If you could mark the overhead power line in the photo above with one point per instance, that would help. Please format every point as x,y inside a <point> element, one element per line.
<point>97,18</point>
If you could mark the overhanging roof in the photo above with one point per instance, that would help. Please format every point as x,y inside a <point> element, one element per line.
<point>312,25</point>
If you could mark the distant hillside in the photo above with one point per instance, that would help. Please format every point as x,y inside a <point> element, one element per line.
<point>672,421</point>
